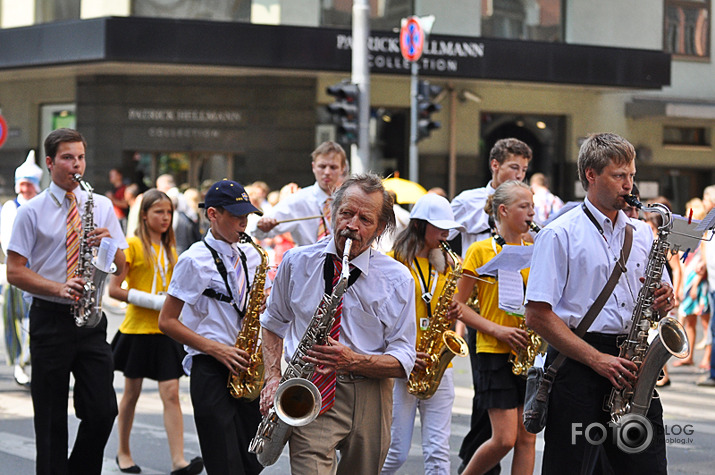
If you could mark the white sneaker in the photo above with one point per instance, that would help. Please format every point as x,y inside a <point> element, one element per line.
<point>20,376</point>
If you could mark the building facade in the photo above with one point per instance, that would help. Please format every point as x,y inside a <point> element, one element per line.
<point>229,88</point>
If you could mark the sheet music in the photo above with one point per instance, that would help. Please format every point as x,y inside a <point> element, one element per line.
<point>513,258</point>
<point>511,291</point>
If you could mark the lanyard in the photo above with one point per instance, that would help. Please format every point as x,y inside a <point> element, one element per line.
<point>427,292</point>
<point>160,262</point>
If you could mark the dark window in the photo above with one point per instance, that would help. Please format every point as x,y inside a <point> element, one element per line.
<point>697,136</point>
<point>384,14</point>
<point>687,28</point>
<point>57,10</point>
<point>539,20</point>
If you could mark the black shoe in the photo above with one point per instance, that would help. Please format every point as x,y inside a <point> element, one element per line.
<point>193,468</point>
<point>707,382</point>
<point>132,469</point>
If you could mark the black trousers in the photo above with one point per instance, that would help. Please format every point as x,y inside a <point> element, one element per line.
<point>58,347</point>
<point>577,401</point>
<point>480,429</point>
<point>225,425</point>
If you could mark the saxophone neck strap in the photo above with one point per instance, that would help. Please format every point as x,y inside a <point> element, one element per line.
<point>329,273</point>
<point>224,274</point>
<point>600,301</point>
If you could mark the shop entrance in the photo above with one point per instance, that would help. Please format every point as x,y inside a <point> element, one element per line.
<point>189,169</point>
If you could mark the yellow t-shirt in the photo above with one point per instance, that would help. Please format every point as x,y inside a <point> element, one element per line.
<point>420,305</point>
<point>478,254</point>
<point>141,276</point>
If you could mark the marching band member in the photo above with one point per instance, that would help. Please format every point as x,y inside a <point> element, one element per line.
<point>418,249</point>
<point>43,255</point>
<point>373,341</point>
<point>499,391</point>
<point>209,290</point>
<point>140,349</point>
<point>329,165</point>
<point>573,257</point>
<point>508,160</point>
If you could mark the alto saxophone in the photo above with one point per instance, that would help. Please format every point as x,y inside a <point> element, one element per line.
<point>87,309</point>
<point>297,401</point>
<point>671,339</point>
<point>438,340</point>
<point>247,384</point>
<point>524,359</point>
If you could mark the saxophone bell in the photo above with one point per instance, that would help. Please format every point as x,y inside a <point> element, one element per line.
<point>297,402</point>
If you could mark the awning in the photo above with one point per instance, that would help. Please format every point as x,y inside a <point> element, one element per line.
<point>675,108</point>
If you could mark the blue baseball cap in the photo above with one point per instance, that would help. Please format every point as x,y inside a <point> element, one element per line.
<point>230,196</point>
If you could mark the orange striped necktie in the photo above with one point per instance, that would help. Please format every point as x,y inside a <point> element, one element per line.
<point>74,224</point>
<point>324,225</point>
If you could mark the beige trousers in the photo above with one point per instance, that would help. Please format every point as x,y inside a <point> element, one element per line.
<point>358,425</point>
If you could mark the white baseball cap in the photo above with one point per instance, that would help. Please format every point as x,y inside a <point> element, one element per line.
<point>435,210</point>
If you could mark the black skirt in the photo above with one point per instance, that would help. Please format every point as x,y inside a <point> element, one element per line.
<point>497,386</point>
<point>154,356</point>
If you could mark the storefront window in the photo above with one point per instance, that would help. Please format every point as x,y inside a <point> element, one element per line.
<point>687,28</point>
<point>538,20</point>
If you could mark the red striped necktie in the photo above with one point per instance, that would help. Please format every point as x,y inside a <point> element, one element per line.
<point>74,224</point>
<point>326,382</point>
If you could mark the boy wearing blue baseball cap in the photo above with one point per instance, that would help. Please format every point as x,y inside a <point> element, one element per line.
<point>210,289</point>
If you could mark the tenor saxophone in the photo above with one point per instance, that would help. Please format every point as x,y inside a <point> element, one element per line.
<point>247,383</point>
<point>671,339</point>
<point>87,309</point>
<point>297,400</point>
<point>524,359</point>
<point>438,340</point>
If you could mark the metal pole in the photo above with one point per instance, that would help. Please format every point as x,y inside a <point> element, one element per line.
<point>452,187</point>
<point>414,154</point>
<point>360,156</point>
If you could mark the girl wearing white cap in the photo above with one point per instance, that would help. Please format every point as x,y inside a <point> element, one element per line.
<point>418,248</point>
<point>15,309</point>
<point>499,391</point>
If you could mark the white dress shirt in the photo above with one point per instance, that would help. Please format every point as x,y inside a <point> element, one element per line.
<point>7,219</point>
<point>196,271</point>
<point>305,202</point>
<point>572,262</point>
<point>40,231</point>
<point>468,208</point>
<point>378,309</point>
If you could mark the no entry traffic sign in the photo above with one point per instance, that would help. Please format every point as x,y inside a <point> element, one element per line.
<point>3,130</point>
<point>412,39</point>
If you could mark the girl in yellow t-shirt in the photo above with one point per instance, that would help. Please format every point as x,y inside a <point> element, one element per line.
<point>418,248</point>
<point>499,391</point>
<point>140,349</point>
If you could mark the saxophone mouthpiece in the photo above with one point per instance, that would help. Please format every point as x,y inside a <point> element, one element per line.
<point>632,200</point>
<point>77,177</point>
<point>534,227</point>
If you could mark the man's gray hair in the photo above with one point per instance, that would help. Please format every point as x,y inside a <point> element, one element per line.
<point>369,183</point>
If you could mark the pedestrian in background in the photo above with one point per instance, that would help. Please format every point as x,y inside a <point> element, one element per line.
<point>15,307</point>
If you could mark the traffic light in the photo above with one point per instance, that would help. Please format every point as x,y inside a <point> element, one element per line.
<point>426,93</point>
<point>344,111</point>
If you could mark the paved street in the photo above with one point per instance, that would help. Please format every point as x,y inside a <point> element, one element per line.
<point>688,408</point>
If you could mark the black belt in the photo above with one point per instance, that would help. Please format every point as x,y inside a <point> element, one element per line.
<point>605,338</point>
<point>52,306</point>
<point>349,377</point>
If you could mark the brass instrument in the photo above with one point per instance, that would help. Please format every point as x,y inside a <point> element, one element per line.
<point>671,339</point>
<point>298,401</point>
<point>438,340</point>
<point>524,359</point>
<point>247,384</point>
<point>87,309</point>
